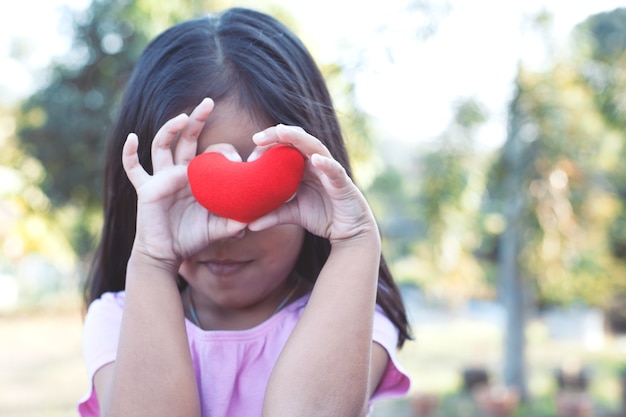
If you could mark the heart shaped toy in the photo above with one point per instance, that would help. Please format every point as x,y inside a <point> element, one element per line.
<point>245,191</point>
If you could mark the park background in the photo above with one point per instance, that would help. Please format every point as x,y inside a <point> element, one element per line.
<point>487,135</point>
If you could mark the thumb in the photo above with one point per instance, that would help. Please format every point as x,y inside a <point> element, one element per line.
<point>285,214</point>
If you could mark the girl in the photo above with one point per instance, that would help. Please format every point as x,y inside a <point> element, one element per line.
<point>190,314</point>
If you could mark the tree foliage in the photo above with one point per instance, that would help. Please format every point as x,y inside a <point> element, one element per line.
<point>66,123</point>
<point>604,71</point>
<point>569,141</point>
<point>561,140</point>
<point>431,210</point>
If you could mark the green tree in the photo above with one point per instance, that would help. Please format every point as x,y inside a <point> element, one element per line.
<point>431,209</point>
<point>65,124</point>
<point>603,70</point>
<point>560,145</point>
<point>452,181</point>
<point>550,184</point>
<point>31,233</point>
<point>603,65</point>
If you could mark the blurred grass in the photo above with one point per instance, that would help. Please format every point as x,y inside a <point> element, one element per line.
<point>443,348</point>
<point>42,373</point>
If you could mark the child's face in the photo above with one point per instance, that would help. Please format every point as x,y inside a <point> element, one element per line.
<point>251,268</point>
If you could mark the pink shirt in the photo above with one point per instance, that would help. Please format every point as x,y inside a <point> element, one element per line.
<point>232,367</point>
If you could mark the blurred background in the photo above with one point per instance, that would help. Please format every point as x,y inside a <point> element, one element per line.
<point>487,135</point>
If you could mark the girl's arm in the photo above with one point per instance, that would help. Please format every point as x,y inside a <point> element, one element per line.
<point>153,373</point>
<point>327,367</point>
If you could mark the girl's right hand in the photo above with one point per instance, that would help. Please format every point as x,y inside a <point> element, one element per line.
<point>171,224</point>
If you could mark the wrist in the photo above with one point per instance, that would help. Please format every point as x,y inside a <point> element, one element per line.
<point>363,231</point>
<point>367,240</point>
<point>143,260</point>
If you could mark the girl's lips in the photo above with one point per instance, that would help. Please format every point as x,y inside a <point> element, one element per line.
<point>225,266</point>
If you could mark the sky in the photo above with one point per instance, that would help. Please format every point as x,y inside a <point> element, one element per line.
<point>411,84</point>
<point>406,83</point>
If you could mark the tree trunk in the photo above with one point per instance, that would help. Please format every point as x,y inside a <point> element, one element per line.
<point>511,280</point>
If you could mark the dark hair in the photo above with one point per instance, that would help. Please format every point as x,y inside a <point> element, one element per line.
<point>242,55</point>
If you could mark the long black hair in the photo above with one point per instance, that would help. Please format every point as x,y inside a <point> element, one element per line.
<point>243,55</point>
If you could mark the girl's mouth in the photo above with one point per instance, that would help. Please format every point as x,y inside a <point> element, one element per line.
<point>225,266</point>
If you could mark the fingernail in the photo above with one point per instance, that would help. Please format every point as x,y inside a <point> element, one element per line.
<point>259,136</point>
<point>232,156</point>
<point>254,155</point>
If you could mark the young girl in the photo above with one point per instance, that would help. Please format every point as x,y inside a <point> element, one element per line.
<point>191,314</point>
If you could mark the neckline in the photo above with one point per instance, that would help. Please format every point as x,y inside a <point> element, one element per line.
<point>251,332</point>
<point>283,305</point>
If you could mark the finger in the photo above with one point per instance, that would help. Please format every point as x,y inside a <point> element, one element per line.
<point>222,227</point>
<point>186,146</point>
<point>162,156</point>
<point>270,135</point>
<point>257,153</point>
<point>292,135</point>
<point>329,171</point>
<point>288,213</point>
<point>265,222</point>
<point>226,149</point>
<point>130,161</point>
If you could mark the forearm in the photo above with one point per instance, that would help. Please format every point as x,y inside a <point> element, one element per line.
<point>326,363</point>
<point>153,371</point>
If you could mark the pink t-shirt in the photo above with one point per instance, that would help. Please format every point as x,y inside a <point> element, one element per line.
<point>232,367</point>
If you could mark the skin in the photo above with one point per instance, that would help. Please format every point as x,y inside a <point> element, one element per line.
<point>329,366</point>
<point>224,277</point>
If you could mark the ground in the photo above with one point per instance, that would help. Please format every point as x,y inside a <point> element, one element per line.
<point>42,369</point>
<point>43,374</point>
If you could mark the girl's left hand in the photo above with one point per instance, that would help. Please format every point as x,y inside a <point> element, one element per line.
<point>328,203</point>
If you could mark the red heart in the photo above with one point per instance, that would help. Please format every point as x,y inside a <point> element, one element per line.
<point>245,191</point>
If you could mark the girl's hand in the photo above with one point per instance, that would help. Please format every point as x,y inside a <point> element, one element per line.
<point>171,225</point>
<point>328,203</point>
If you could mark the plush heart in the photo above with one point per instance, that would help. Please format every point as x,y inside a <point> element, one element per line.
<point>245,191</point>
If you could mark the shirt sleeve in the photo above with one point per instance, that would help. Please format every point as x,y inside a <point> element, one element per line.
<point>395,381</point>
<point>101,331</point>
